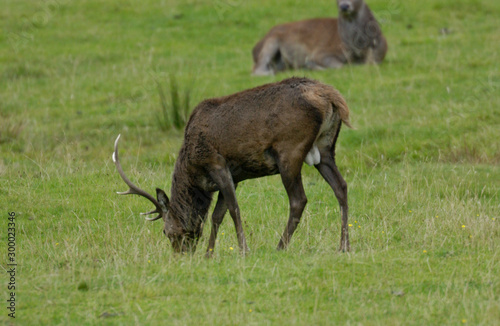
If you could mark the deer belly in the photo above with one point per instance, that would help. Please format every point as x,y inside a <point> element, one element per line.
<point>313,157</point>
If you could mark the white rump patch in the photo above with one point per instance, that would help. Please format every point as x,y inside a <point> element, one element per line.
<point>313,157</point>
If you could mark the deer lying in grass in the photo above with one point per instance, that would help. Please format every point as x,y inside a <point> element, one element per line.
<point>355,37</point>
<point>262,131</point>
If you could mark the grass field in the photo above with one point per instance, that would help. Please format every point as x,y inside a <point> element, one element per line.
<point>422,168</point>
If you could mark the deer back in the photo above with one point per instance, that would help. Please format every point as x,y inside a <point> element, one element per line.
<point>249,128</point>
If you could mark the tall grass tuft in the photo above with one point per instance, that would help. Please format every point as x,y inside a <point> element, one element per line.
<point>173,112</point>
<point>10,130</point>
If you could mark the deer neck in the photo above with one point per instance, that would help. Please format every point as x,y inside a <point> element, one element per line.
<point>188,203</point>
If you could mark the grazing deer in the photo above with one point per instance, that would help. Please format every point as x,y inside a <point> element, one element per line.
<point>262,131</point>
<point>355,37</point>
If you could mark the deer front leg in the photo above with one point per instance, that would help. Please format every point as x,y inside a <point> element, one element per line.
<point>331,62</point>
<point>222,177</point>
<point>217,217</point>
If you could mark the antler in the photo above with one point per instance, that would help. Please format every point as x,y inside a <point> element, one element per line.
<point>133,189</point>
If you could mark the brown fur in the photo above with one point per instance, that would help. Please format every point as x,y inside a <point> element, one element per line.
<point>257,132</point>
<point>319,43</point>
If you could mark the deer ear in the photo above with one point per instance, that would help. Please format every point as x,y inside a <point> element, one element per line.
<point>162,199</point>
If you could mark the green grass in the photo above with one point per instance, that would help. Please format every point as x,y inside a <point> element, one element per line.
<point>422,168</point>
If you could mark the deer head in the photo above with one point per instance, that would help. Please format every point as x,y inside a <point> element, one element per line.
<point>348,8</point>
<point>181,240</point>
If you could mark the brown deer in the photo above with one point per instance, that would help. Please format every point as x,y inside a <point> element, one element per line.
<point>262,131</point>
<point>319,43</point>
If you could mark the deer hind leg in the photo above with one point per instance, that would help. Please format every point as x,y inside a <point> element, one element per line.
<point>328,169</point>
<point>292,180</point>
<point>222,177</point>
<point>266,57</point>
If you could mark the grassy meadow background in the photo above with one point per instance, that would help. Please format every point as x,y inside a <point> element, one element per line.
<point>422,168</point>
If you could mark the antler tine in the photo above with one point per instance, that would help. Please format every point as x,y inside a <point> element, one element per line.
<point>152,218</point>
<point>133,189</point>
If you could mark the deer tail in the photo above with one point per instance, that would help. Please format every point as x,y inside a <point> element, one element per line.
<point>340,104</point>
<point>328,98</point>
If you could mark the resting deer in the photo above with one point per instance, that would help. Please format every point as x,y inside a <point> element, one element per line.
<point>262,131</point>
<point>319,43</point>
